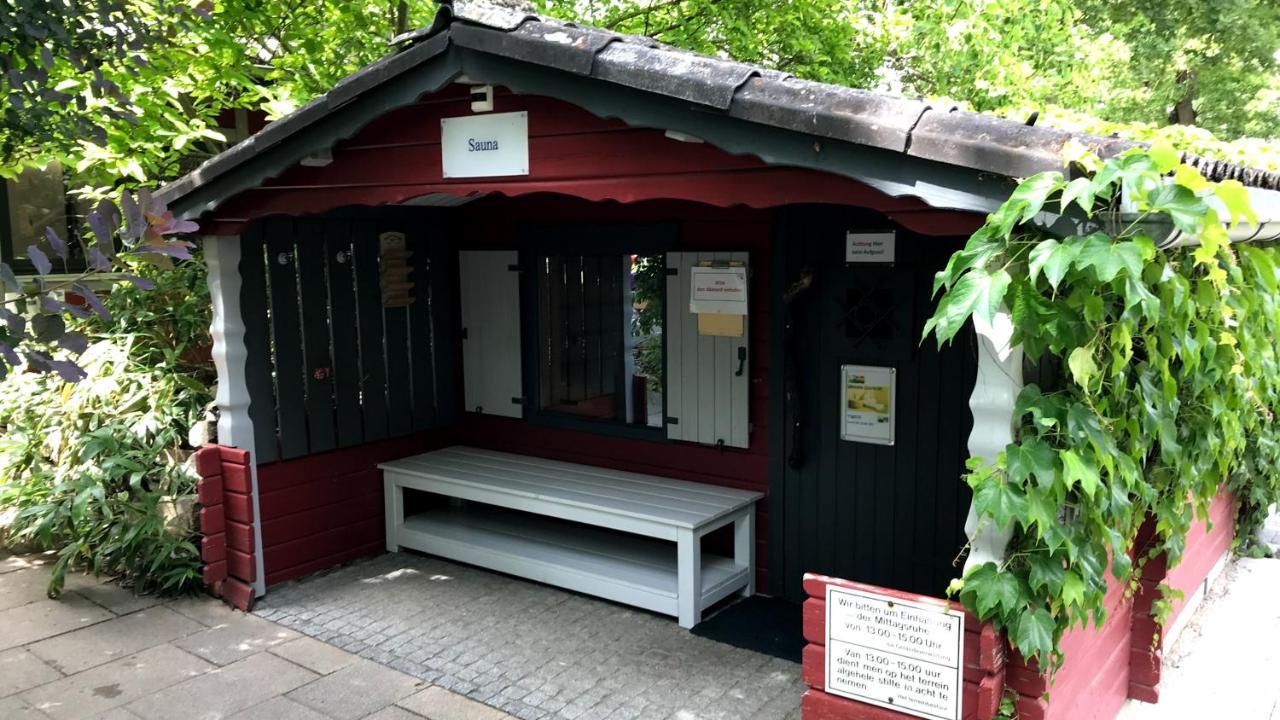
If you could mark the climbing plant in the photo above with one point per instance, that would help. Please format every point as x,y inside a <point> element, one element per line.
<point>1162,386</point>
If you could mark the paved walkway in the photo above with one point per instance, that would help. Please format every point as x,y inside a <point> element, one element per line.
<point>102,652</point>
<point>534,651</point>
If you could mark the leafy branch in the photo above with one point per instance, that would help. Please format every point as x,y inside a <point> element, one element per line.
<point>1168,387</point>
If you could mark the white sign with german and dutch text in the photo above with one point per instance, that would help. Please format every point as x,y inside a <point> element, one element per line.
<point>491,145</point>
<point>897,654</point>
<point>718,290</point>
<point>869,247</point>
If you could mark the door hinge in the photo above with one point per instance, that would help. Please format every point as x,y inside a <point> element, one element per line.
<point>673,421</point>
<point>464,333</point>
<point>673,271</point>
<point>517,401</point>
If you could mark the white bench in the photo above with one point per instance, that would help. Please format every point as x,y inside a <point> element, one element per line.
<point>640,568</point>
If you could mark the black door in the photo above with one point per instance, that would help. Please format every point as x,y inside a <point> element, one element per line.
<point>886,515</point>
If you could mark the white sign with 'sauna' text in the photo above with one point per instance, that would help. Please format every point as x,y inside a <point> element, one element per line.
<point>485,145</point>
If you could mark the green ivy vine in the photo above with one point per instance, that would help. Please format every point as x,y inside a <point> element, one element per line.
<point>1162,381</point>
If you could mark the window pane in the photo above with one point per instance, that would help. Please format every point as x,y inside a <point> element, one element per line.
<point>600,350</point>
<point>37,199</point>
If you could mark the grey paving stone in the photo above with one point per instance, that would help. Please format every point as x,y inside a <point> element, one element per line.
<point>46,618</point>
<point>437,703</point>
<point>237,637</point>
<point>13,562</point>
<point>207,611</point>
<point>118,714</point>
<point>314,655</point>
<point>108,594</point>
<point>225,691</point>
<point>22,586</point>
<point>95,691</point>
<point>279,708</point>
<point>393,712</point>
<point>116,638</point>
<point>20,670</point>
<point>356,690</point>
<point>15,708</point>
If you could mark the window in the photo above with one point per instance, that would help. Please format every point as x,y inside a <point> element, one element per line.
<point>599,345</point>
<point>35,200</point>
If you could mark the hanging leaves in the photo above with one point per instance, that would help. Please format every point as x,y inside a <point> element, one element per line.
<point>1169,386</point>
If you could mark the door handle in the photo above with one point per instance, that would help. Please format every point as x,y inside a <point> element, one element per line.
<point>742,361</point>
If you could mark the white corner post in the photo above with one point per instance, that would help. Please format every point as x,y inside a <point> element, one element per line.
<point>994,392</point>
<point>235,428</point>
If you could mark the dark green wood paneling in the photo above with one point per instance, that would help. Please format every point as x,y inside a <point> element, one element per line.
<point>346,347</point>
<point>313,289</point>
<point>257,343</point>
<point>286,335</point>
<point>373,369</point>
<point>422,357</point>
<point>884,515</point>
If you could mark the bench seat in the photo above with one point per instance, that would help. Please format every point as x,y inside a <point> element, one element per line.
<point>649,554</point>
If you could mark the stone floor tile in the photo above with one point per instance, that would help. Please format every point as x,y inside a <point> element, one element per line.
<point>110,595</point>
<point>117,714</point>
<point>107,641</point>
<point>95,691</point>
<point>206,610</point>
<point>22,586</point>
<point>226,691</point>
<point>278,708</point>
<point>20,670</point>
<point>15,708</point>
<point>314,655</point>
<point>393,712</point>
<point>235,638</point>
<point>356,690</point>
<point>46,618</point>
<point>440,704</point>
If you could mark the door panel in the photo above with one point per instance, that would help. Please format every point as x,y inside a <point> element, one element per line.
<point>887,515</point>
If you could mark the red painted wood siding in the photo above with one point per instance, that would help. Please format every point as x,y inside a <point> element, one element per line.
<point>571,152</point>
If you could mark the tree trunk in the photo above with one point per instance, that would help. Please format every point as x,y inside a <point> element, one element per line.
<point>1184,111</point>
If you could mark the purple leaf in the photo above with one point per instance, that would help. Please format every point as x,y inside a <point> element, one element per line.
<point>48,328</point>
<point>100,227</point>
<point>9,355</point>
<point>8,278</point>
<point>94,301</point>
<point>38,361</point>
<point>50,305</point>
<point>98,261</point>
<point>16,323</point>
<point>135,220</point>
<point>74,342</point>
<point>184,226</point>
<point>56,243</point>
<point>139,282</point>
<point>68,370</point>
<point>39,259</point>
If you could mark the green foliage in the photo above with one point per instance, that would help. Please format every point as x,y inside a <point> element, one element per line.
<point>91,467</point>
<point>1168,389</point>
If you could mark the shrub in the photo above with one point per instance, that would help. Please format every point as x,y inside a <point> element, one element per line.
<point>93,468</point>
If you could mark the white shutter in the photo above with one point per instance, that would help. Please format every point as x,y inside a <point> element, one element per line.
<point>491,331</point>
<point>707,397</point>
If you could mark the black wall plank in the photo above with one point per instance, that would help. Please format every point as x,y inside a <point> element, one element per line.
<point>314,294</point>
<point>422,356</point>
<point>286,332</point>
<point>396,343</point>
<point>373,371</point>
<point>257,343</point>
<point>346,344</point>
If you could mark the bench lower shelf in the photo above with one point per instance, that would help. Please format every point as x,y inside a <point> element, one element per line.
<point>628,569</point>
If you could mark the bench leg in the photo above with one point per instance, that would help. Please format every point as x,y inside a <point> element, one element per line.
<point>689,578</point>
<point>393,497</point>
<point>744,548</point>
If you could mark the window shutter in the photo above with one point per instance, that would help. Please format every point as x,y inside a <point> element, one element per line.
<point>491,331</point>
<point>708,377</point>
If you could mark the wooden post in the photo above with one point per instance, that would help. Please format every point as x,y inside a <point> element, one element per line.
<point>235,428</point>
<point>688,577</point>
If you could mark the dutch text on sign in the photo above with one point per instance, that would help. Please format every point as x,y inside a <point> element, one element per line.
<point>895,653</point>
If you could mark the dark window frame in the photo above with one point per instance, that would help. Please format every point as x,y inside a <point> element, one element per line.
<point>22,267</point>
<point>581,239</point>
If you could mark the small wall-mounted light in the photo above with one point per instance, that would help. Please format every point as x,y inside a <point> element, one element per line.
<point>481,98</point>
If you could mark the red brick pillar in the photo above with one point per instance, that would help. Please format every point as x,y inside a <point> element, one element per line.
<point>983,659</point>
<point>226,523</point>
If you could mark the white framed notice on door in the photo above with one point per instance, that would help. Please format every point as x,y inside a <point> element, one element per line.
<point>867,397</point>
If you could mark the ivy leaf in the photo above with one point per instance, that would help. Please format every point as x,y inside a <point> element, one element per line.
<point>1046,574</point>
<point>1077,469</point>
<point>1082,366</point>
<point>987,588</point>
<point>1072,589</point>
<point>1054,258</point>
<point>1165,156</point>
<point>1080,191</point>
<point>1108,258</point>
<point>1180,204</point>
<point>1034,191</point>
<point>1031,457</point>
<point>1235,197</point>
<point>957,305</point>
<point>1042,511</point>
<point>1034,634</point>
<point>1001,501</point>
